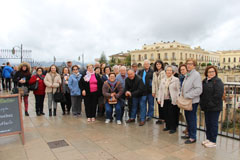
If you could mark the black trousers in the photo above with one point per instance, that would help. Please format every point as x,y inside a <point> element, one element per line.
<point>171,115</point>
<point>39,99</point>
<point>3,84</point>
<point>66,104</point>
<point>8,84</point>
<point>161,111</point>
<point>90,102</point>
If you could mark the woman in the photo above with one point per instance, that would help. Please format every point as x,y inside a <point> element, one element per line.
<point>192,89</point>
<point>105,76</point>
<point>100,108</point>
<point>102,66</point>
<point>65,89</point>
<point>167,97</point>
<point>91,87</point>
<point>112,89</point>
<point>211,103</point>
<point>22,78</point>
<point>40,92</point>
<point>183,71</point>
<point>158,75</point>
<point>75,91</point>
<point>52,81</point>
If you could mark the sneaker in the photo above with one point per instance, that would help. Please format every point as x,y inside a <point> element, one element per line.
<point>93,119</point>
<point>210,145</point>
<point>119,122</point>
<point>107,121</point>
<point>205,142</point>
<point>89,119</point>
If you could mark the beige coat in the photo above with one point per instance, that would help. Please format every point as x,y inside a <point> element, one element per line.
<point>173,90</point>
<point>156,82</point>
<point>52,80</point>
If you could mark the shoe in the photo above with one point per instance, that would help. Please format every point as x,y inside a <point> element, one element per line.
<point>63,113</point>
<point>93,119</point>
<point>205,142</point>
<point>26,113</point>
<point>38,114</point>
<point>149,119</point>
<point>89,119</point>
<point>54,112</point>
<point>190,141</point>
<point>42,113</point>
<point>165,129</point>
<point>172,131</point>
<point>210,145</point>
<point>119,122</point>
<point>107,121</point>
<point>50,112</point>
<point>130,120</point>
<point>159,122</point>
<point>185,137</point>
<point>141,123</point>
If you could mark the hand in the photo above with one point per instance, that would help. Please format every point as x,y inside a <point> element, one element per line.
<point>37,79</point>
<point>159,102</point>
<point>128,94</point>
<point>112,94</point>
<point>84,93</point>
<point>153,94</point>
<point>66,82</point>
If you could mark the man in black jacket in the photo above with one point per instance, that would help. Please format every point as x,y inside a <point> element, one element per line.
<point>147,75</point>
<point>134,90</point>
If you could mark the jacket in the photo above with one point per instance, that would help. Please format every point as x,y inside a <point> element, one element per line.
<point>148,80</point>
<point>52,80</point>
<point>86,86</point>
<point>135,86</point>
<point>192,86</point>
<point>156,82</point>
<point>174,86</point>
<point>20,74</point>
<point>41,85</point>
<point>211,97</point>
<point>73,84</point>
<point>6,73</point>
<point>106,91</point>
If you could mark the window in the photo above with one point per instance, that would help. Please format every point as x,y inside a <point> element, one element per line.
<point>239,59</point>
<point>234,59</point>
<point>166,56</point>
<point>159,57</point>
<point>145,56</point>
<point>171,46</point>
<point>152,57</point>
<point>157,47</point>
<point>133,57</point>
<point>145,48</point>
<point>181,56</point>
<point>185,55</point>
<point>229,59</point>
<point>173,56</point>
<point>139,57</point>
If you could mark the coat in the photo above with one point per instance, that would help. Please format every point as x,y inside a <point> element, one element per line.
<point>20,74</point>
<point>211,97</point>
<point>156,82</point>
<point>73,85</point>
<point>51,80</point>
<point>148,80</point>
<point>41,85</point>
<point>106,91</point>
<point>174,86</point>
<point>6,73</point>
<point>135,86</point>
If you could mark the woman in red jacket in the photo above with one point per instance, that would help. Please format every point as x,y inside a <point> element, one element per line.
<point>40,92</point>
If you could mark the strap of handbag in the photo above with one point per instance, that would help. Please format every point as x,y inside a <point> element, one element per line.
<point>112,90</point>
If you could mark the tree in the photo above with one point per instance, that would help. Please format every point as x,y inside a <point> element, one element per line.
<point>103,58</point>
<point>112,61</point>
<point>128,60</point>
<point>209,64</point>
<point>203,64</point>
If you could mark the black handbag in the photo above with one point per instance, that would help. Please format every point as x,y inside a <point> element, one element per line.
<point>34,86</point>
<point>59,96</point>
<point>15,90</point>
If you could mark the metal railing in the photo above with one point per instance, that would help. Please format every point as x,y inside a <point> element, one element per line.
<point>229,119</point>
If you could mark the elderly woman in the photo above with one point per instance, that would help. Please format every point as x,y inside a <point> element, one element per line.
<point>211,103</point>
<point>158,75</point>
<point>112,91</point>
<point>52,81</point>
<point>192,89</point>
<point>65,89</point>
<point>105,76</point>
<point>116,69</point>
<point>91,87</point>
<point>167,97</point>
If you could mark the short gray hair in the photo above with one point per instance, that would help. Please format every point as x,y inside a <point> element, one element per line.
<point>123,67</point>
<point>146,60</point>
<point>116,67</point>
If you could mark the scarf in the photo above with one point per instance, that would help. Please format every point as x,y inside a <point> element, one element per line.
<point>144,76</point>
<point>158,72</point>
<point>88,75</point>
<point>112,84</point>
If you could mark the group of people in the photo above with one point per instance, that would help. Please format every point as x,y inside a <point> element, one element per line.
<point>147,91</point>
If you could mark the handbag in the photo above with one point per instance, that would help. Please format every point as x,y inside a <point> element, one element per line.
<point>184,103</point>
<point>59,96</point>
<point>34,86</point>
<point>15,90</point>
<point>111,100</point>
<point>23,91</point>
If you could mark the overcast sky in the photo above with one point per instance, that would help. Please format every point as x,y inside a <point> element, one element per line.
<point>68,28</point>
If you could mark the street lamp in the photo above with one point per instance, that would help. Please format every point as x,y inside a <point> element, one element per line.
<point>14,51</point>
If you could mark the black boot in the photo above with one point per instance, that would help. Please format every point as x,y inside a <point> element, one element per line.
<point>26,113</point>
<point>54,112</point>
<point>50,112</point>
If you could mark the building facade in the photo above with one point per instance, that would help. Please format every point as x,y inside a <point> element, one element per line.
<point>230,59</point>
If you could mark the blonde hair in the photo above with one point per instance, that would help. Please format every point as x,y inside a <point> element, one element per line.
<point>193,60</point>
<point>89,65</point>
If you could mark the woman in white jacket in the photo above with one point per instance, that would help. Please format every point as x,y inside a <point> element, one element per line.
<point>167,97</point>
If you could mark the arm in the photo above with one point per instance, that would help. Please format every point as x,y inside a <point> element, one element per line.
<point>139,90</point>
<point>154,89</point>
<point>58,82</point>
<point>32,80</point>
<point>120,90</point>
<point>196,90</point>
<point>105,90</point>
<point>46,81</point>
<point>70,82</point>
<point>218,93</point>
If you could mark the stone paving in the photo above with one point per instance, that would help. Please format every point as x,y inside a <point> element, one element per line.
<point>100,141</point>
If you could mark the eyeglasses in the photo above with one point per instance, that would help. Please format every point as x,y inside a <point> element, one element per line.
<point>190,64</point>
<point>211,71</point>
<point>75,69</point>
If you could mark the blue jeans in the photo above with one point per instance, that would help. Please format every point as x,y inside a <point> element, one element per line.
<point>191,117</point>
<point>211,120</point>
<point>135,103</point>
<point>109,110</point>
<point>150,99</point>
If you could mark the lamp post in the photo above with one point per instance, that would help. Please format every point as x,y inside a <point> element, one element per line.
<point>21,48</point>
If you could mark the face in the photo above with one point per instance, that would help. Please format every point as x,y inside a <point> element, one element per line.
<point>146,65</point>
<point>112,78</point>
<point>211,73</point>
<point>103,66</point>
<point>123,72</point>
<point>24,68</point>
<point>169,72</point>
<point>131,75</point>
<point>107,71</point>
<point>65,71</point>
<point>97,70</point>
<point>190,65</point>
<point>159,66</point>
<point>97,65</point>
<point>75,70</point>
<point>53,69</point>
<point>39,72</point>
<point>69,64</point>
<point>116,70</point>
<point>134,68</point>
<point>90,69</point>
<point>183,70</point>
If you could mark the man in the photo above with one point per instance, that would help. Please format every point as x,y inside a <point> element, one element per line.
<point>97,64</point>
<point>116,69</point>
<point>7,75</point>
<point>135,68</point>
<point>121,78</point>
<point>147,75</point>
<point>3,84</point>
<point>134,90</point>
<point>69,65</point>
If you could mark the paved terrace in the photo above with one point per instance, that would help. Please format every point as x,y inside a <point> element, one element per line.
<point>100,141</point>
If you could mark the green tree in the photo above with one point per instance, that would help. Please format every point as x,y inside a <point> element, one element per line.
<point>103,58</point>
<point>128,60</point>
<point>112,62</point>
<point>203,64</point>
<point>209,64</point>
